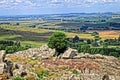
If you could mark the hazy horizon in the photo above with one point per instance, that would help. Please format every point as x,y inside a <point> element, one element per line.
<point>39,7</point>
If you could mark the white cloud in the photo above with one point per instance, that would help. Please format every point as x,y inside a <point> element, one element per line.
<point>16,3</point>
<point>44,3</point>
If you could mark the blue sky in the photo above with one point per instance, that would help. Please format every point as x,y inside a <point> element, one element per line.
<point>26,7</point>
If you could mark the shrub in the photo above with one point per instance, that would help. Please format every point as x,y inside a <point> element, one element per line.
<point>75,72</point>
<point>18,78</point>
<point>43,74</point>
<point>58,41</point>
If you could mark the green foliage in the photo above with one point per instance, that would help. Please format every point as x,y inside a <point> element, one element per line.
<point>18,78</point>
<point>58,41</point>
<point>95,33</point>
<point>12,46</point>
<point>75,72</point>
<point>43,74</point>
<point>10,49</point>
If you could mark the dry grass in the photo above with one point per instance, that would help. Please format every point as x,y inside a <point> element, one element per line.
<point>24,29</point>
<point>81,35</point>
<point>108,34</point>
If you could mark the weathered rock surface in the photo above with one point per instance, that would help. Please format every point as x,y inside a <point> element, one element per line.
<point>90,67</point>
<point>2,68</point>
<point>43,52</point>
<point>2,56</point>
<point>69,53</point>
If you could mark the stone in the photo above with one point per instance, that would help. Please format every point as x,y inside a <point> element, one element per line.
<point>2,56</point>
<point>98,56</point>
<point>105,77</point>
<point>79,56</point>
<point>69,53</point>
<point>44,52</point>
<point>2,68</point>
<point>9,69</point>
<point>23,74</point>
<point>31,76</point>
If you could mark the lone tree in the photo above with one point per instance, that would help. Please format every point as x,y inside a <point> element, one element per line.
<point>59,42</point>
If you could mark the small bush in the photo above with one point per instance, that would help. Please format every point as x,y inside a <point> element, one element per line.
<point>43,74</point>
<point>18,78</point>
<point>75,72</point>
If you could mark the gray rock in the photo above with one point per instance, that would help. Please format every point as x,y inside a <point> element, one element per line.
<point>98,56</point>
<point>79,56</point>
<point>2,56</point>
<point>2,68</point>
<point>9,69</point>
<point>69,53</point>
<point>37,53</point>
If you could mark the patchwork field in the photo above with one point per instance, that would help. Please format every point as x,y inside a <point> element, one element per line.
<point>36,36</point>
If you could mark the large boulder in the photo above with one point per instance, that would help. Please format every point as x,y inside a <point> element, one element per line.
<point>2,56</point>
<point>79,56</point>
<point>35,53</point>
<point>46,52</point>
<point>2,68</point>
<point>69,53</point>
<point>98,56</point>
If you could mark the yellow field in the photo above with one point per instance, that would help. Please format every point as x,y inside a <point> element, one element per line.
<point>80,35</point>
<point>108,34</point>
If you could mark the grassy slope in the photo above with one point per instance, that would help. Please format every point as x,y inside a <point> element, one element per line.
<point>30,36</point>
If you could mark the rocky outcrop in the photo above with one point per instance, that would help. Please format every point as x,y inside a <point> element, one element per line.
<point>69,53</point>
<point>43,52</point>
<point>90,66</point>
<point>2,68</point>
<point>2,56</point>
<point>2,64</point>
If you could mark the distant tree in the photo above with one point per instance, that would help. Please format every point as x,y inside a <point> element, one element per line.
<point>59,42</point>
<point>76,39</point>
<point>95,33</point>
<point>88,41</point>
<point>17,23</point>
<point>95,44</point>
<point>119,38</point>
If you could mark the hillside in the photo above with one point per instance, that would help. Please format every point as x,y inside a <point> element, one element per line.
<point>39,64</point>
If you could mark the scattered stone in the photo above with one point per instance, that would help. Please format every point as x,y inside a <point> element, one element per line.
<point>69,53</point>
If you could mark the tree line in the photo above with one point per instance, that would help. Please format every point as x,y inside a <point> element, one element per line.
<point>12,46</point>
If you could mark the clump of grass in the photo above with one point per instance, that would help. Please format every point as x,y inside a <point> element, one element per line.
<point>18,78</point>
<point>75,72</point>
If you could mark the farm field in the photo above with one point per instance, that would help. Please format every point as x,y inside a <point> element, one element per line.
<point>107,34</point>
<point>36,36</point>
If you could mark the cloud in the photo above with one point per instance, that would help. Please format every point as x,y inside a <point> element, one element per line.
<point>16,3</point>
<point>51,3</point>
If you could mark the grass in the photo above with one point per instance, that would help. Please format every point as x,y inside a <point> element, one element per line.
<point>81,35</point>
<point>33,43</point>
<point>20,28</point>
<point>37,37</point>
<point>26,37</point>
<point>5,37</point>
<point>108,34</point>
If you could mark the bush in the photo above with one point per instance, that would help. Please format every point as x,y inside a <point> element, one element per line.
<point>43,74</point>
<point>58,41</point>
<point>18,78</point>
<point>75,72</point>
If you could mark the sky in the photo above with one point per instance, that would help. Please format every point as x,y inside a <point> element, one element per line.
<point>28,7</point>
